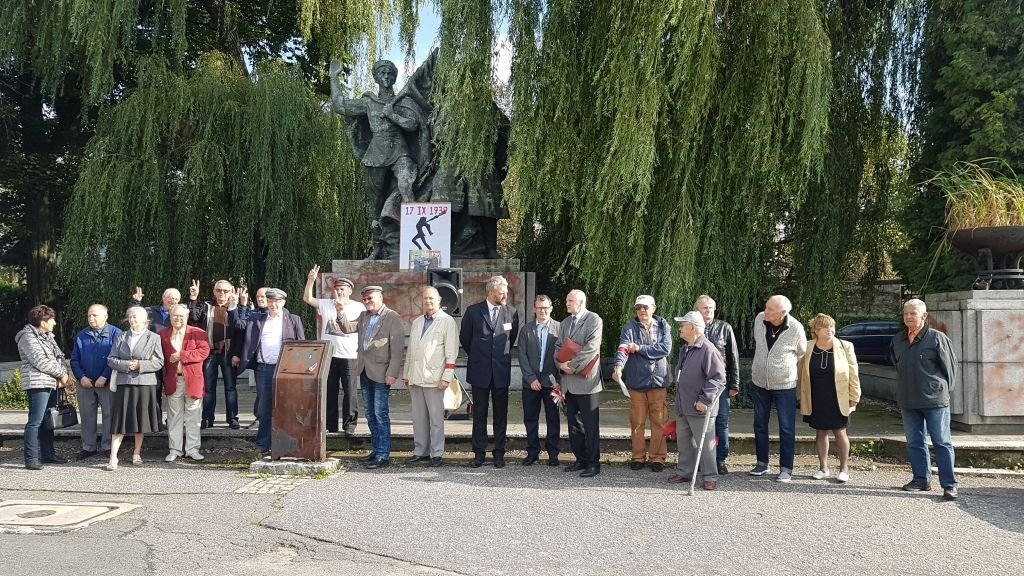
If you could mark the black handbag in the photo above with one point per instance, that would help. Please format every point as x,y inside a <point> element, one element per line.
<point>63,415</point>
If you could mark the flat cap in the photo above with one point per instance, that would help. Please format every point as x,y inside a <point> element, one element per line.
<point>369,289</point>
<point>276,294</point>
<point>344,282</point>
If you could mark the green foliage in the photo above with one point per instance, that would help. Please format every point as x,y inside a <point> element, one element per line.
<point>689,147</point>
<point>983,193</point>
<point>12,397</point>
<point>869,449</point>
<point>211,176</point>
<point>969,107</point>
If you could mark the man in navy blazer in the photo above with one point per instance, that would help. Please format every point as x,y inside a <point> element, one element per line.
<point>489,331</point>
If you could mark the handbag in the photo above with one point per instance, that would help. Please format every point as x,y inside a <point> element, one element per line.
<point>63,415</point>
<point>453,394</point>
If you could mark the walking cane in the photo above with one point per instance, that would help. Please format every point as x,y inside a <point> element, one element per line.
<point>703,435</point>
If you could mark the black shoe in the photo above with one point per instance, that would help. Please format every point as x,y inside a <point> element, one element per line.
<point>499,461</point>
<point>417,459</point>
<point>636,465</point>
<point>575,467</point>
<point>914,486</point>
<point>530,460</point>
<point>233,424</point>
<point>435,461</point>
<point>657,466</point>
<point>553,461</point>
<point>377,464</point>
<point>34,465</point>
<point>368,458</point>
<point>55,460</point>
<point>723,469</point>
<point>477,462</point>
<point>204,424</point>
<point>85,454</point>
<point>950,493</point>
<point>590,472</point>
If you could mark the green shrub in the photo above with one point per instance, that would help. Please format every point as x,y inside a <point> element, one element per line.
<point>12,397</point>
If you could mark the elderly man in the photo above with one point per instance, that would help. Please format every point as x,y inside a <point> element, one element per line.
<point>218,318</point>
<point>89,365</point>
<point>536,344</point>
<point>642,359</point>
<point>489,330</point>
<point>578,351</point>
<point>185,349</point>
<point>429,369</point>
<point>700,375</point>
<point>378,364</point>
<point>159,316</point>
<point>345,347</point>
<point>780,343</point>
<point>720,333</point>
<point>926,370</point>
<point>265,336</point>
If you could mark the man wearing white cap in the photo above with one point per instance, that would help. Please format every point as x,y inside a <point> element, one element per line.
<point>700,377</point>
<point>642,360</point>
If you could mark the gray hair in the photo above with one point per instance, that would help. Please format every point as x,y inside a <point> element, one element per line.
<point>172,292</point>
<point>176,307</point>
<point>100,306</point>
<point>917,304</point>
<point>782,302</point>
<point>494,282</point>
<point>219,282</point>
<point>580,295</point>
<point>431,290</point>
<point>132,309</point>
<point>702,299</point>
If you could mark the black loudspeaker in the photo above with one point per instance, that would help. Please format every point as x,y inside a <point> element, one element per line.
<point>448,282</point>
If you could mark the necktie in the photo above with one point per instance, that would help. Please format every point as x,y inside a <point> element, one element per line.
<point>572,323</point>
<point>542,335</point>
<point>494,316</point>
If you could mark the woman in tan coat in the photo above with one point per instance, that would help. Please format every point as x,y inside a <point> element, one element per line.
<point>828,390</point>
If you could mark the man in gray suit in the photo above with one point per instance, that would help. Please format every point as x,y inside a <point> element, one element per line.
<point>581,380</point>
<point>378,364</point>
<point>537,363</point>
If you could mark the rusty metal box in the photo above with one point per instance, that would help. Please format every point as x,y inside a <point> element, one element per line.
<point>300,401</point>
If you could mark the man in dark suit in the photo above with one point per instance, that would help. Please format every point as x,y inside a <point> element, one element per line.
<point>582,383</point>
<point>536,344</point>
<point>265,335</point>
<point>489,331</point>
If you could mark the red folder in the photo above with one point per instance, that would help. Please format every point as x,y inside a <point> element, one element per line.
<point>570,348</point>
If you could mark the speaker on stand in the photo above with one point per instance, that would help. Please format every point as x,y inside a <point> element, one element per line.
<point>448,282</point>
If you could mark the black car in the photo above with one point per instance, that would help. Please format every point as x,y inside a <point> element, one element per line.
<point>870,339</point>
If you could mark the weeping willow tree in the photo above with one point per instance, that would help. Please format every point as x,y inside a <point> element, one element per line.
<point>675,148</point>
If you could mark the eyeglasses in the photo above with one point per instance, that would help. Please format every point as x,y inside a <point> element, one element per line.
<point>222,290</point>
<point>542,307</point>
<point>367,298</point>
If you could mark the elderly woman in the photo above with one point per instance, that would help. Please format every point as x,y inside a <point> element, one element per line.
<point>700,378</point>
<point>828,388</point>
<point>43,370</point>
<point>136,359</point>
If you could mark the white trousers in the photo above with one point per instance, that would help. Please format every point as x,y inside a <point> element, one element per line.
<point>183,417</point>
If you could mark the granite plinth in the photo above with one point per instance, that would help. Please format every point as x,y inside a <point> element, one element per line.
<point>985,327</point>
<point>295,467</point>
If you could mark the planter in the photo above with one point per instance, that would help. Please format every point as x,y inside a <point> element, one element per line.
<point>998,250</point>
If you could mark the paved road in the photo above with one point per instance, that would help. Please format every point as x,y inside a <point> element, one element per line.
<point>455,520</point>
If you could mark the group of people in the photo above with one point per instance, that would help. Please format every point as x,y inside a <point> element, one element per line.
<point>182,348</point>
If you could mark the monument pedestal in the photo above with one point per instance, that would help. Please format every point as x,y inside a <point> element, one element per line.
<point>986,327</point>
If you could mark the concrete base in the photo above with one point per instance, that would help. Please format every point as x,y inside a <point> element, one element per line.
<point>294,466</point>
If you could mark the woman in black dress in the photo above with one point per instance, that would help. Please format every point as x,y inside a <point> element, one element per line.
<point>136,359</point>
<point>828,390</point>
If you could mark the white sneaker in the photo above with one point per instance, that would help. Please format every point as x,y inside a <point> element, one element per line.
<point>843,477</point>
<point>785,476</point>
<point>195,455</point>
<point>820,474</point>
<point>171,457</point>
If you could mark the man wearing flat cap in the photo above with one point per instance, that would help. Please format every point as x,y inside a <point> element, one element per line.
<point>264,337</point>
<point>642,361</point>
<point>700,378</point>
<point>341,376</point>
<point>381,349</point>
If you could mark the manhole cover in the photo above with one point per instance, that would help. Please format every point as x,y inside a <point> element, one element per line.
<point>30,516</point>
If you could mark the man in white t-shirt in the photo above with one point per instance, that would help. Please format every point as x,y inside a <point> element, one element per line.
<point>345,347</point>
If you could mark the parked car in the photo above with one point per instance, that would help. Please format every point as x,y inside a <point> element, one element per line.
<point>871,339</point>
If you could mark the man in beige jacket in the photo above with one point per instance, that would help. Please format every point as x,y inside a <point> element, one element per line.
<point>429,367</point>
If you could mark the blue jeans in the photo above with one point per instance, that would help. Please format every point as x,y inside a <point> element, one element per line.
<point>785,407</point>
<point>264,374</point>
<point>37,438</point>
<point>378,418</point>
<point>722,428</point>
<point>934,422</point>
<point>210,366</point>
